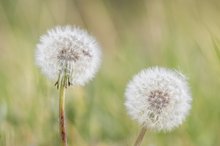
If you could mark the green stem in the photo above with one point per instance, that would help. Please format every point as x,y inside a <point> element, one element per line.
<point>62,111</point>
<point>140,137</point>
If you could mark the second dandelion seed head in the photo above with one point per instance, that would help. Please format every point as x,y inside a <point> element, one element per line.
<point>70,51</point>
<point>158,98</point>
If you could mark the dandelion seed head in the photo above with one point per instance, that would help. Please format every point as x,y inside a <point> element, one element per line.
<point>70,50</point>
<point>158,98</point>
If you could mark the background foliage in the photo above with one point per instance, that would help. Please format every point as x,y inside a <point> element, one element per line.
<point>182,34</point>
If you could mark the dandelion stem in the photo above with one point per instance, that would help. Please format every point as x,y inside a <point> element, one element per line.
<point>140,137</point>
<point>62,111</point>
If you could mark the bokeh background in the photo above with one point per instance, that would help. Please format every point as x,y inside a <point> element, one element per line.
<point>134,34</point>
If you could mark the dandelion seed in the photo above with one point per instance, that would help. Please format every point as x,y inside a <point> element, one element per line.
<point>158,99</point>
<point>71,51</point>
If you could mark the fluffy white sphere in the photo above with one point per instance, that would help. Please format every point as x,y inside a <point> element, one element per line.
<point>70,50</point>
<point>158,98</point>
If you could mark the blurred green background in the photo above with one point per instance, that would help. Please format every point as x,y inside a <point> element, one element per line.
<point>182,34</point>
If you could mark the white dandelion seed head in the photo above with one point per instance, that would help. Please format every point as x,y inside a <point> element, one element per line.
<point>70,50</point>
<point>158,98</point>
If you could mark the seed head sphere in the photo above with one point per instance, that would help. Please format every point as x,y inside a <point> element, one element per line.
<point>68,50</point>
<point>158,98</point>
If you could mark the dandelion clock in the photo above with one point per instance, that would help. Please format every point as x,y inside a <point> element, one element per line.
<point>69,56</point>
<point>158,99</point>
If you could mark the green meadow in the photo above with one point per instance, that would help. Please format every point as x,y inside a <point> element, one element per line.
<point>180,34</point>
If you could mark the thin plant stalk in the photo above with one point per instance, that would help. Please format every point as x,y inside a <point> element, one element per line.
<point>140,137</point>
<point>62,111</point>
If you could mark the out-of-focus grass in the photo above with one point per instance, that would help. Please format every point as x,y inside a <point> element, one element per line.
<point>134,35</point>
